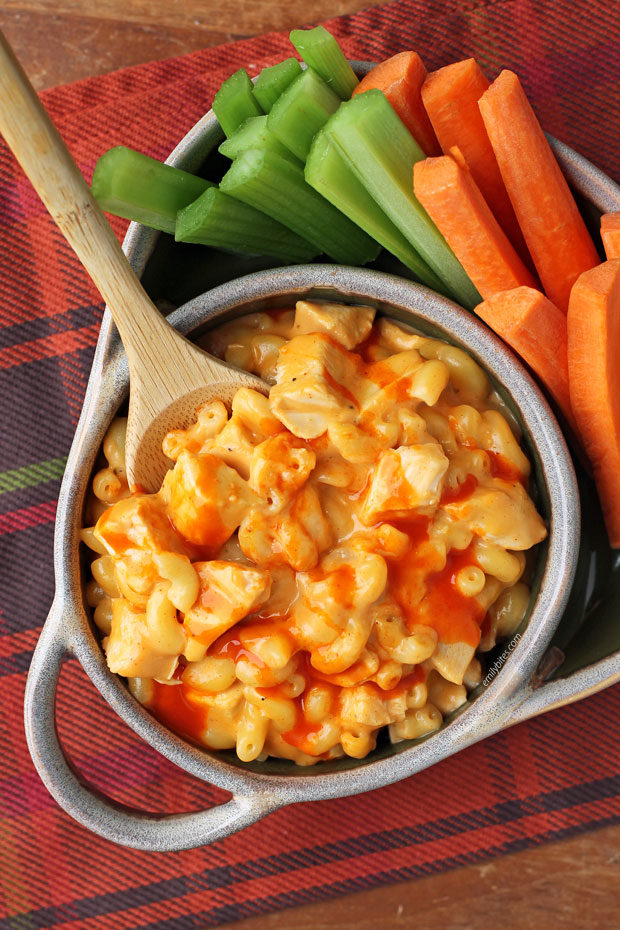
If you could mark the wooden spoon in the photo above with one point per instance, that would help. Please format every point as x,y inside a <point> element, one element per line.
<point>169,377</point>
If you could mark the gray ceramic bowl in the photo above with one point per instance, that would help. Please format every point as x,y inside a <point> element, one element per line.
<point>258,789</point>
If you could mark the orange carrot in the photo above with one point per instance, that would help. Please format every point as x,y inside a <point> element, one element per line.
<point>451,197</point>
<point>610,234</point>
<point>451,96</point>
<point>554,231</point>
<point>400,78</point>
<point>594,379</point>
<point>536,330</point>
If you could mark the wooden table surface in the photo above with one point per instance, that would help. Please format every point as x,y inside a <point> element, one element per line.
<point>575,882</point>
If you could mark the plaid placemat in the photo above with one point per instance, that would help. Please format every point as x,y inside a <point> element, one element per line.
<point>542,780</point>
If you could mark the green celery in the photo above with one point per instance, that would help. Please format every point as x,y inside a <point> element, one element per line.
<point>301,110</point>
<point>273,81</point>
<point>137,187</point>
<point>382,152</point>
<point>329,173</point>
<point>218,220</point>
<point>277,187</point>
<point>320,50</point>
<point>235,102</point>
<point>254,134</point>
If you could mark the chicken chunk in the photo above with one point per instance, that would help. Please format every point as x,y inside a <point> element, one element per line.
<point>316,385</point>
<point>501,512</point>
<point>129,648</point>
<point>348,325</point>
<point>407,478</point>
<point>138,522</point>
<point>233,445</point>
<point>366,705</point>
<point>295,535</point>
<point>280,466</point>
<point>398,337</point>
<point>228,593</point>
<point>208,499</point>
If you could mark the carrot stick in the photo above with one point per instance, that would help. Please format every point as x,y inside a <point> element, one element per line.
<point>451,96</point>
<point>451,197</point>
<point>554,231</point>
<point>536,330</point>
<point>594,379</point>
<point>610,234</point>
<point>400,78</point>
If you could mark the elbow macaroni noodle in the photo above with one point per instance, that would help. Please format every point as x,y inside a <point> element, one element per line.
<point>324,562</point>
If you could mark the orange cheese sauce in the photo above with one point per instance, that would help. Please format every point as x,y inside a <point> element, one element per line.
<point>409,681</point>
<point>371,344</point>
<point>270,426</point>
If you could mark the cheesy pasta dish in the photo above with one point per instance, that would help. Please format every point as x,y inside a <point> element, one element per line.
<point>325,561</point>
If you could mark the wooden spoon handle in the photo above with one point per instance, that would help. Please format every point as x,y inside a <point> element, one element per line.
<point>46,160</point>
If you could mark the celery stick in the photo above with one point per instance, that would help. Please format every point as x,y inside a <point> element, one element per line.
<point>302,109</point>
<point>273,81</point>
<point>382,152</point>
<point>221,221</point>
<point>254,134</point>
<point>320,50</point>
<point>329,173</point>
<point>235,102</point>
<point>137,187</point>
<point>277,187</point>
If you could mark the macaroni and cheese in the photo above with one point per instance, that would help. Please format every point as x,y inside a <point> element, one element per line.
<point>323,562</point>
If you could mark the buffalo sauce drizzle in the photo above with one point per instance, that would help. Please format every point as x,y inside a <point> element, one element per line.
<point>121,542</point>
<point>426,591</point>
<point>236,643</point>
<point>454,617</point>
<point>303,729</point>
<point>340,388</point>
<point>501,467</point>
<point>184,708</point>
<point>117,540</point>
<point>377,371</point>
<point>181,708</point>
<point>461,492</point>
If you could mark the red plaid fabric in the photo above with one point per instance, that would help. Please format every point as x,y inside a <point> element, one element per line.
<point>542,780</point>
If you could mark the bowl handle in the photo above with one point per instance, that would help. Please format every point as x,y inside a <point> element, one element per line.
<point>150,832</point>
